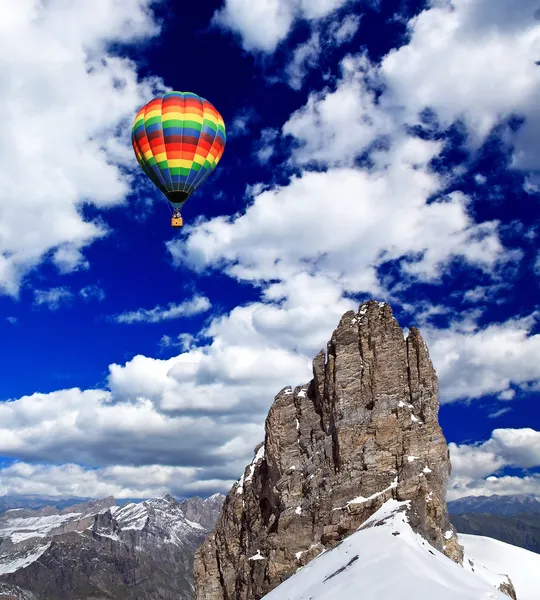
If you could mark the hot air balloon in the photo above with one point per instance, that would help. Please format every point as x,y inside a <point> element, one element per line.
<point>178,139</point>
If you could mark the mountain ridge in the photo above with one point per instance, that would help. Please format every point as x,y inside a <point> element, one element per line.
<point>97,549</point>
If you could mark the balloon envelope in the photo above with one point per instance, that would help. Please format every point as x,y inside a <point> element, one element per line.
<point>178,139</point>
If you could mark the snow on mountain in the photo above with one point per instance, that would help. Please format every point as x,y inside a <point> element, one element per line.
<point>12,592</point>
<point>132,516</point>
<point>153,541</point>
<point>19,560</point>
<point>522,566</point>
<point>385,558</point>
<point>19,529</point>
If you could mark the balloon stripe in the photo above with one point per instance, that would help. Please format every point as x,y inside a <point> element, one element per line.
<point>151,136</point>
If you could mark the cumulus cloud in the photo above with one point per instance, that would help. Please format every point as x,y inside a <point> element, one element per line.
<point>262,25</point>
<point>475,466</point>
<point>53,298</point>
<point>306,56</point>
<point>131,431</point>
<point>60,147</point>
<point>474,61</point>
<point>292,229</point>
<point>473,361</point>
<point>193,306</point>
<point>119,481</point>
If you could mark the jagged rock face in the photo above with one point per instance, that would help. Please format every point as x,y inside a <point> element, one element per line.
<point>204,511</point>
<point>141,551</point>
<point>364,430</point>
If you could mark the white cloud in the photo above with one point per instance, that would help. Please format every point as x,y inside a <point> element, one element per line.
<point>474,361</point>
<point>334,127</point>
<point>118,481</point>
<point>53,298</point>
<point>475,61</point>
<point>487,293</point>
<point>474,467</point>
<point>92,292</point>
<point>499,413</point>
<point>262,25</point>
<point>306,56</point>
<point>185,341</point>
<point>193,306</point>
<point>130,431</point>
<point>67,106</point>
<point>241,123</point>
<point>265,147</point>
<point>343,31</point>
<point>331,222</point>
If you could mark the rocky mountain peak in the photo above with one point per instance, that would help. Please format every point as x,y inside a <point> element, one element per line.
<point>204,511</point>
<point>364,430</point>
<point>170,499</point>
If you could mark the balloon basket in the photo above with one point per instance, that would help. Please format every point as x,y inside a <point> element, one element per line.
<point>177,222</point>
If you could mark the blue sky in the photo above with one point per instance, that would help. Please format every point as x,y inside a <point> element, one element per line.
<point>383,150</point>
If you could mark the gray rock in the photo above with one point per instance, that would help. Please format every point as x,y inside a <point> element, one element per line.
<point>363,430</point>
<point>12,592</point>
<point>204,511</point>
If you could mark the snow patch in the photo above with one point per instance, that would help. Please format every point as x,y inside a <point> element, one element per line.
<point>361,499</point>
<point>10,564</point>
<point>132,516</point>
<point>240,488</point>
<point>402,404</point>
<point>412,458</point>
<point>298,510</point>
<point>448,534</point>
<point>258,457</point>
<point>302,552</point>
<point>257,556</point>
<point>427,470</point>
<point>193,524</point>
<point>24,528</point>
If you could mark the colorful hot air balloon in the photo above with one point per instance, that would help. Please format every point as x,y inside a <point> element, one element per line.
<point>178,139</point>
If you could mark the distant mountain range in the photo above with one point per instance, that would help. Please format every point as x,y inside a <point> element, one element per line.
<point>495,505</point>
<point>34,502</point>
<point>37,502</point>
<point>513,519</point>
<point>97,549</point>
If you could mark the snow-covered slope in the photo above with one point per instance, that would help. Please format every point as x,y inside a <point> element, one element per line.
<point>521,565</point>
<point>386,559</point>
